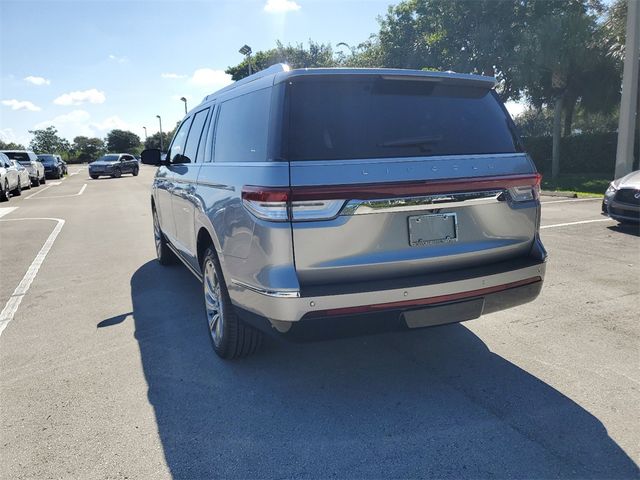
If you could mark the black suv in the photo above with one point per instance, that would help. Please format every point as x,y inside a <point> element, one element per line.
<point>53,167</point>
<point>114,165</point>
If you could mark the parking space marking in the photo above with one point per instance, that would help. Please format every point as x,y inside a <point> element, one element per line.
<point>6,210</point>
<point>572,200</point>
<point>38,192</point>
<point>21,290</point>
<point>65,196</point>
<point>577,223</point>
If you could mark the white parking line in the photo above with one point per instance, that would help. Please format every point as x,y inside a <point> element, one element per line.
<point>6,210</point>
<point>21,290</point>
<point>38,192</point>
<point>577,223</point>
<point>572,200</point>
<point>65,196</point>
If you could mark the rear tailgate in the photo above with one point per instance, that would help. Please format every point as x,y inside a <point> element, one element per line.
<point>396,177</point>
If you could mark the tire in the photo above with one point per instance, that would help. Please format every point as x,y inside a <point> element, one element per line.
<point>43,180</point>
<point>18,190</point>
<point>135,172</point>
<point>163,252</point>
<point>116,173</point>
<point>5,195</point>
<point>35,183</point>
<point>95,177</point>
<point>59,175</point>
<point>230,336</point>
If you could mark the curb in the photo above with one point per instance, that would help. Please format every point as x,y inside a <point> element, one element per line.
<point>547,193</point>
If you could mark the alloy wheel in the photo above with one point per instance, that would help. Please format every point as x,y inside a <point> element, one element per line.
<point>213,302</point>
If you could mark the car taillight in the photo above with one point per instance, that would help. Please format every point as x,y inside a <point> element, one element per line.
<point>525,193</point>
<point>280,205</point>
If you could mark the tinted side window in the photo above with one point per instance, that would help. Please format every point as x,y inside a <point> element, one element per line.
<point>191,147</point>
<point>242,128</point>
<point>179,139</point>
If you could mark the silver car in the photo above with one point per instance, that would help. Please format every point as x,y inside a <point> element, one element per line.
<point>321,202</point>
<point>622,199</point>
<point>28,160</point>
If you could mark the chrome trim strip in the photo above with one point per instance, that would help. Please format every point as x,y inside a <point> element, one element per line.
<point>186,264</point>
<point>411,204</point>
<point>269,293</point>
<point>219,186</point>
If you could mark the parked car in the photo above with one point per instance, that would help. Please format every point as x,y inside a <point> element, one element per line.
<point>9,179</point>
<point>318,202</point>
<point>622,199</point>
<point>29,160</point>
<point>114,165</point>
<point>52,166</point>
<point>23,175</point>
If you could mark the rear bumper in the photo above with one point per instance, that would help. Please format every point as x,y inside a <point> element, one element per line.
<point>496,286</point>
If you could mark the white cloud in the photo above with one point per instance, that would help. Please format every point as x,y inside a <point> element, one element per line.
<point>281,6</point>
<point>37,80</point>
<point>9,135</point>
<point>115,58</point>
<point>21,105</point>
<point>209,78</point>
<point>79,122</point>
<point>79,97</point>
<point>172,75</point>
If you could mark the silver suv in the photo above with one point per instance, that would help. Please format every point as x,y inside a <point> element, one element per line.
<point>321,202</point>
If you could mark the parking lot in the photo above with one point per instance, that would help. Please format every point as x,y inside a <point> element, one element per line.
<point>106,368</point>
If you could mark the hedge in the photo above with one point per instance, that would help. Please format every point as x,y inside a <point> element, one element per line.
<point>582,153</point>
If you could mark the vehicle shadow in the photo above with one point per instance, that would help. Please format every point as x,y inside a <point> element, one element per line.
<point>628,228</point>
<point>433,402</point>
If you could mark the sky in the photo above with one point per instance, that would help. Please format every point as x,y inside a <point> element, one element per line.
<point>89,66</point>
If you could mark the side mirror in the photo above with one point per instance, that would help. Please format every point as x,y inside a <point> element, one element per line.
<point>151,156</point>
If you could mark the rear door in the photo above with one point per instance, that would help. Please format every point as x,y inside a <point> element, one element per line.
<point>184,200</point>
<point>401,176</point>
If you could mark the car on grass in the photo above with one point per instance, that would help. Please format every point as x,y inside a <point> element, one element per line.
<point>324,202</point>
<point>29,160</point>
<point>114,165</point>
<point>9,179</point>
<point>52,166</point>
<point>622,199</point>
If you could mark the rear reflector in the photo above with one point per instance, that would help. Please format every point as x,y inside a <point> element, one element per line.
<point>325,202</point>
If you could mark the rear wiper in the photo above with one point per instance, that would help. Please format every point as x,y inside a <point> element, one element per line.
<point>412,142</point>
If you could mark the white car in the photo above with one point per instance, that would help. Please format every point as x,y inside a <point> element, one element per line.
<point>23,175</point>
<point>9,179</point>
<point>28,160</point>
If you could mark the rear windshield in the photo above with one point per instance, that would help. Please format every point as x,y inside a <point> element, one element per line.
<point>21,157</point>
<point>336,119</point>
<point>47,158</point>
<point>109,158</point>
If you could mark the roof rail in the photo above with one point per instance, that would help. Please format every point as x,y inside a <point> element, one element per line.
<point>272,70</point>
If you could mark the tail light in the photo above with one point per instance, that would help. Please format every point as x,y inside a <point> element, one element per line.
<point>280,205</point>
<point>526,193</point>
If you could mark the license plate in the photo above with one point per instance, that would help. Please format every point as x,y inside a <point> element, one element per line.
<point>434,228</point>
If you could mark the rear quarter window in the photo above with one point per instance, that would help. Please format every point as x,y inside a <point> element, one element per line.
<point>351,118</point>
<point>242,128</point>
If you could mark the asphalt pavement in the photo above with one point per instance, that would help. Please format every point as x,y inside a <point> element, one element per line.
<point>106,369</point>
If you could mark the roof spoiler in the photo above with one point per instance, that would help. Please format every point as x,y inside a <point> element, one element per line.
<point>272,70</point>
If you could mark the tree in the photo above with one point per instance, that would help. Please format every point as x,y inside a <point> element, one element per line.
<point>297,56</point>
<point>88,149</point>
<point>153,141</point>
<point>47,141</point>
<point>123,141</point>
<point>11,146</point>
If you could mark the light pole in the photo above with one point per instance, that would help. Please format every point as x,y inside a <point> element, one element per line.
<point>185,104</point>
<point>160,120</point>
<point>246,51</point>
<point>145,134</point>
